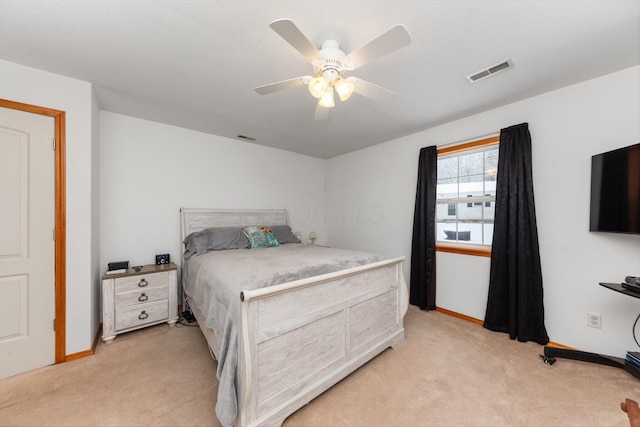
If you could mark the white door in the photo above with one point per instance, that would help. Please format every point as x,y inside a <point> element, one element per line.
<point>27,251</point>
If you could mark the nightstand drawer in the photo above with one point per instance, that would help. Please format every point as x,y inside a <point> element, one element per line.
<point>141,296</point>
<point>142,281</point>
<point>136,315</point>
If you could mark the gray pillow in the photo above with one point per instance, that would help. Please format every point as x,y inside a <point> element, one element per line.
<point>215,239</point>
<point>284,234</point>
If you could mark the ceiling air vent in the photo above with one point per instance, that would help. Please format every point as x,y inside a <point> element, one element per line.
<point>490,71</point>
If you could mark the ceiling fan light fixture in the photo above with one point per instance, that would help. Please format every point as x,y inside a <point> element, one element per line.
<point>330,63</point>
<point>327,98</point>
<point>344,88</point>
<point>318,86</point>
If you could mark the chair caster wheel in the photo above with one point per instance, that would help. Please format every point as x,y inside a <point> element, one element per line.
<point>548,360</point>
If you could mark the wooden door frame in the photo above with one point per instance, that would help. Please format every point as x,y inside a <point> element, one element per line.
<point>60,218</point>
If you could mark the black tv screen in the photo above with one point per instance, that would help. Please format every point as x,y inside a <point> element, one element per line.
<point>615,191</point>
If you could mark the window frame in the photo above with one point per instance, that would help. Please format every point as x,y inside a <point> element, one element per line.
<point>457,247</point>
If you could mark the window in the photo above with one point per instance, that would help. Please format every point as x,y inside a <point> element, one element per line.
<point>466,193</point>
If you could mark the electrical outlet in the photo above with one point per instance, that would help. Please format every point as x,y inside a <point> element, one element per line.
<point>594,320</point>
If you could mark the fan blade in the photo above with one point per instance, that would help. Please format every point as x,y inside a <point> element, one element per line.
<point>372,91</point>
<point>285,84</point>
<point>288,31</point>
<point>392,40</point>
<point>322,113</point>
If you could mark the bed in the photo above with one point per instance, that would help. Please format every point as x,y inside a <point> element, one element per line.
<point>284,339</point>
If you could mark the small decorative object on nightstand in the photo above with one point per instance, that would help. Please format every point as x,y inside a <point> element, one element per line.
<point>312,238</point>
<point>137,298</point>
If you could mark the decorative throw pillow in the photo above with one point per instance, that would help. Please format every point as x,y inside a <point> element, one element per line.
<point>284,234</point>
<point>260,237</point>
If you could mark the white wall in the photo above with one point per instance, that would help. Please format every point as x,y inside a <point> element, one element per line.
<point>96,271</point>
<point>31,86</point>
<point>371,194</point>
<point>150,170</point>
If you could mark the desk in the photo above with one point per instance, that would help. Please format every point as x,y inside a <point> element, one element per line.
<point>619,288</point>
<point>550,353</point>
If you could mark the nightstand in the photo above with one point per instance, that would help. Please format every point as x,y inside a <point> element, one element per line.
<point>136,299</point>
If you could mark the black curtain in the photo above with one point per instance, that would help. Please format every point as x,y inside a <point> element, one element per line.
<point>423,246</point>
<point>515,303</point>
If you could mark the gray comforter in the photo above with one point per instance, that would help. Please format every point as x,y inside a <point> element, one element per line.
<point>214,280</point>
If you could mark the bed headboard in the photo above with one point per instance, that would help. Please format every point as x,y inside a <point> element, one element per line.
<point>195,219</point>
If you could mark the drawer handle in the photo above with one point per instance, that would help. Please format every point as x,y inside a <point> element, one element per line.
<point>143,315</point>
<point>142,283</point>
<point>143,297</point>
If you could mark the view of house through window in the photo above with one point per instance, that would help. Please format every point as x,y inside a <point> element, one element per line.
<point>466,193</point>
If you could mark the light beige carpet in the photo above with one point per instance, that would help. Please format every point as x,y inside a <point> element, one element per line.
<point>449,372</point>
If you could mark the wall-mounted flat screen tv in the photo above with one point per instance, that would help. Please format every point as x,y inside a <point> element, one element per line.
<point>615,191</point>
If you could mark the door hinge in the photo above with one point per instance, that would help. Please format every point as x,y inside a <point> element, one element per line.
<point>54,144</point>
<point>54,324</point>
<point>54,234</point>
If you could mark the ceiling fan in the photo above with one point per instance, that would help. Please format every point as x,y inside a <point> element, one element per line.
<point>330,65</point>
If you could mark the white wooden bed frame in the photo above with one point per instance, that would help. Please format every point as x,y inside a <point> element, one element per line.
<point>297,339</point>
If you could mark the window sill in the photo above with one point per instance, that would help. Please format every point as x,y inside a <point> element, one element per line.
<point>464,250</point>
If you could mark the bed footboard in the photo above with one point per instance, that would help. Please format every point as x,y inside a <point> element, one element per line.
<point>298,339</point>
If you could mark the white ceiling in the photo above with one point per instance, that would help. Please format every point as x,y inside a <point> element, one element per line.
<point>195,63</point>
